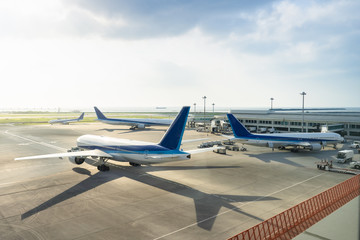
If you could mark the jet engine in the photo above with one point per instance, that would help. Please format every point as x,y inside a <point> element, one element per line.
<point>77,160</point>
<point>315,147</point>
<point>140,126</point>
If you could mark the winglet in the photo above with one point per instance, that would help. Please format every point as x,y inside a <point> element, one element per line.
<point>173,136</point>
<point>238,129</point>
<point>99,114</point>
<point>81,117</point>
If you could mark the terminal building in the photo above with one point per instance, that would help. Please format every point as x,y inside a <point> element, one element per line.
<point>342,121</point>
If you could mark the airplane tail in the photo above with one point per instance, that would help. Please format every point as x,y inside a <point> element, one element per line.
<point>81,117</point>
<point>99,114</point>
<point>238,129</point>
<point>173,136</point>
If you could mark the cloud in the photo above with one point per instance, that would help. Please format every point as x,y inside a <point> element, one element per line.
<point>237,53</point>
<point>154,18</point>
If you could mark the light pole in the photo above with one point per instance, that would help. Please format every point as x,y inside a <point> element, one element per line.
<point>213,106</point>
<point>194,108</point>
<point>204,97</point>
<point>272,99</point>
<point>302,125</point>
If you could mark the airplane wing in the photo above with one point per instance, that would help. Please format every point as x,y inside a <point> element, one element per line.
<point>90,153</point>
<point>302,144</point>
<point>169,156</point>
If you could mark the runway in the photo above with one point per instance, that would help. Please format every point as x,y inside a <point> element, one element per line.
<point>210,196</point>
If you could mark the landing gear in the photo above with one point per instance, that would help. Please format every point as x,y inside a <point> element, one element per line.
<point>103,168</point>
<point>295,150</point>
<point>243,148</point>
<point>134,164</point>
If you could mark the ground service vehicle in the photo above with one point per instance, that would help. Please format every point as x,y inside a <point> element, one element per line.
<point>355,144</point>
<point>344,156</point>
<point>355,165</point>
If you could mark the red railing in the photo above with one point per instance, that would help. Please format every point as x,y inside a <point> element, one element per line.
<point>297,219</point>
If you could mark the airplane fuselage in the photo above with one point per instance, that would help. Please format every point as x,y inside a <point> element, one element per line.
<point>137,122</point>
<point>125,150</point>
<point>290,138</point>
<point>311,141</point>
<point>65,121</point>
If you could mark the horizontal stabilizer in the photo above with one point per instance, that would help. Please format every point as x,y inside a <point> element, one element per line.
<point>229,137</point>
<point>201,150</point>
<point>194,140</point>
<point>90,153</point>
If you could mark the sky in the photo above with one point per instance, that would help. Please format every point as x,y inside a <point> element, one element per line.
<point>148,53</point>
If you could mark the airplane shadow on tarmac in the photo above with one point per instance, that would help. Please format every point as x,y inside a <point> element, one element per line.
<point>281,156</point>
<point>207,206</point>
<point>274,157</point>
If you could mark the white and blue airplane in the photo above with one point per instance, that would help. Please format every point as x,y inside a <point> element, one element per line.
<point>101,148</point>
<point>133,122</point>
<point>67,121</point>
<point>309,141</point>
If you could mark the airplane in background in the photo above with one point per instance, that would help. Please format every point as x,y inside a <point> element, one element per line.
<point>133,122</point>
<point>101,148</point>
<point>67,121</point>
<point>309,141</point>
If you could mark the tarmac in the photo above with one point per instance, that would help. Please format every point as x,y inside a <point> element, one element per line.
<point>210,196</point>
<point>342,224</point>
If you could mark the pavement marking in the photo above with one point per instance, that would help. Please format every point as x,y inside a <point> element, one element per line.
<point>42,177</point>
<point>236,207</point>
<point>37,142</point>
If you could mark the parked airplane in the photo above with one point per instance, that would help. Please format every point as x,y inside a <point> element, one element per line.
<point>133,122</point>
<point>67,121</point>
<point>102,148</point>
<point>310,141</point>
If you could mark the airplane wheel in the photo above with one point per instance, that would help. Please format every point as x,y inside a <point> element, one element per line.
<point>103,168</point>
<point>134,164</point>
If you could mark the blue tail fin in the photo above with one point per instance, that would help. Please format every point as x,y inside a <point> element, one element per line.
<point>173,136</point>
<point>238,129</point>
<point>99,114</point>
<point>81,117</point>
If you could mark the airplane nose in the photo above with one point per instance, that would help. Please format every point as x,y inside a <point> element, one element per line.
<point>81,140</point>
